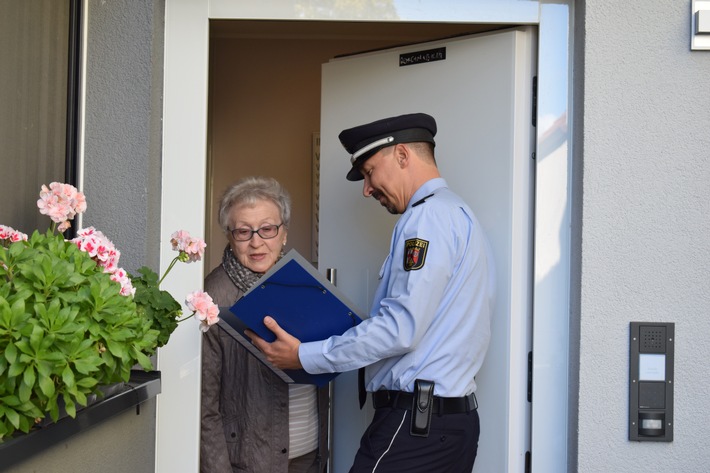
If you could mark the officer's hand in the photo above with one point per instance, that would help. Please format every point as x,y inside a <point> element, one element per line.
<point>282,352</point>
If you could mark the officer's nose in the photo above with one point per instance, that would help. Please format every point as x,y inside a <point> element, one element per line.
<point>367,189</point>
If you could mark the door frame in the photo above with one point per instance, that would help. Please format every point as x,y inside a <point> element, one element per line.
<point>185,144</point>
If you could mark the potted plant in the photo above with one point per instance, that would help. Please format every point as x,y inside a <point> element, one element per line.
<point>72,320</point>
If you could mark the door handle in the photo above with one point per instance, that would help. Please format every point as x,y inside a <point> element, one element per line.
<point>331,275</point>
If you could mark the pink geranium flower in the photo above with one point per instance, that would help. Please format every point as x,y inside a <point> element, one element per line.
<point>191,249</point>
<point>61,202</point>
<point>100,248</point>
<point>204,309</point>
<point>10,235</point>
<point>103,251</point>
<point>121,277</point>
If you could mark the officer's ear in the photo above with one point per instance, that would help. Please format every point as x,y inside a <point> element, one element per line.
<point>401,154</point>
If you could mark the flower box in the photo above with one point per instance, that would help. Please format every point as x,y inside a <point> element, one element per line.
<point>72,322</point>
<point>142,386</point>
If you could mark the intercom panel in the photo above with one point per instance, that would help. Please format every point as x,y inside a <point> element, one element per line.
<point>651,381</point>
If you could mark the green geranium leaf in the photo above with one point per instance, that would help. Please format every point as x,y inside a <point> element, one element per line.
<point>36,338</point>
<point>87,382</point>
<point>10,400</point>
<point>11,317</point>
<point>122,334</point>
<point>68,377</point>
<point>148,276</point>
<point>24,392</point>
<point>87,365</point>
<point>80,398</point>
<point>109,361</point>
<point>5,313</point>
<point>31,408</point>
<point>16,249</point>
<point>143,360</point>
<point>25,423</point>
<point>13,417</point>
<point>125,373</point>
<point>29,376</point>
<point>53,408</point>
<point>117,349</point>
<point>44,368</point>
<point>16,369</point>
<point>11,352</point>
<point>24,346</point>
<point>46,385</point>
<point>69,406</point>
<point>53,356</point>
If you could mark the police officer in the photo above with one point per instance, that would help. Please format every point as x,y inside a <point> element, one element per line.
<point>429,326</point>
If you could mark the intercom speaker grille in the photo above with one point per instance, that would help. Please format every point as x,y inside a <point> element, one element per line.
<point>652,339</point>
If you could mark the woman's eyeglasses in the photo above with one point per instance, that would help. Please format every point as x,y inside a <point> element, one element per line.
<point>266,232</point>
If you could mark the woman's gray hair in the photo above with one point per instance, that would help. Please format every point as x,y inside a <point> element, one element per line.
<point>248,191</point>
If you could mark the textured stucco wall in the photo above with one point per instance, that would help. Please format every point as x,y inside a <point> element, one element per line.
<point>123,443</point>
<point>645,225</point>
<point>123,143</point>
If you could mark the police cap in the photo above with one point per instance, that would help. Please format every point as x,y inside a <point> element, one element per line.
<point>364,141</point>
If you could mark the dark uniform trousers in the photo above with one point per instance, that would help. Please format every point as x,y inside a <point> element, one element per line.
<point>388,447</point>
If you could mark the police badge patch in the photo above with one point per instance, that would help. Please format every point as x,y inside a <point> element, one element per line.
<point>414,253</point>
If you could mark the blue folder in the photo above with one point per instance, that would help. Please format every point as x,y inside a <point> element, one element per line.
<point>302,301</point>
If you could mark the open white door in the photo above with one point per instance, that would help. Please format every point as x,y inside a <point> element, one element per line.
<point>479,89</point>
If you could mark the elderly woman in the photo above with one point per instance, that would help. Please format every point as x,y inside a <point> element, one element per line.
<point>251,420</point>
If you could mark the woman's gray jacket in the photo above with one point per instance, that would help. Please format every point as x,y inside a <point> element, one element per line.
<point>244,405</point>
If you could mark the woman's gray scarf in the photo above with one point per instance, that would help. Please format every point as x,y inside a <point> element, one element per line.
<point>241,276</point>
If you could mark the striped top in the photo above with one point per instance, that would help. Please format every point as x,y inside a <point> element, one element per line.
<point>302,419</point>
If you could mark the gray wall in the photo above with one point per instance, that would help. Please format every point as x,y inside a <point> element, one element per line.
<point>122,185</point>
<point>123,443</point>
<point>123,142</point>
<point>644,153</point>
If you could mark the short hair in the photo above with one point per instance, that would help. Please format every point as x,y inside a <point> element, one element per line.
<point>248,191</point>
<point>425,150</point>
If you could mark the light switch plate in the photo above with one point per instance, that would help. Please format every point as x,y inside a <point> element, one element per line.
<point>699,19</point>
<point>702,22</point>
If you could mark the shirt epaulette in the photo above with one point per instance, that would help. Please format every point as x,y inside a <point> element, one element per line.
<point>421,201</point>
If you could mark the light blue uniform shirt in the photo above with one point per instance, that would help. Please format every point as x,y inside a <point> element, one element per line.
<point>430,317</point>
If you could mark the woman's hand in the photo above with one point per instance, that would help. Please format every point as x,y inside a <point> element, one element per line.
<point>282,352</point>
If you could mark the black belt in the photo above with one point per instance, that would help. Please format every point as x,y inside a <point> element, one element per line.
<point>440,405</point>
